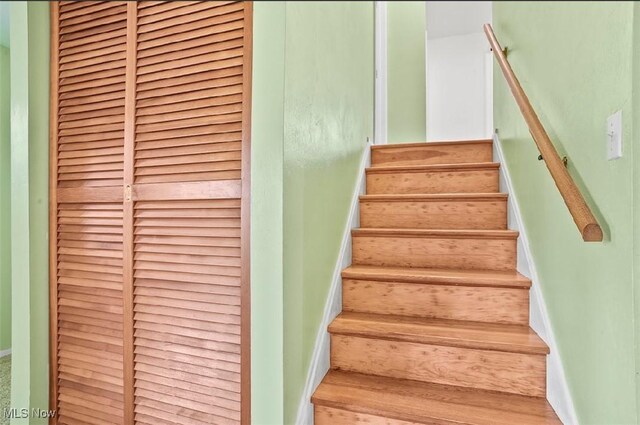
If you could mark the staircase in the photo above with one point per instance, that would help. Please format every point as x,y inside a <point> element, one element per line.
<point>434,327</point>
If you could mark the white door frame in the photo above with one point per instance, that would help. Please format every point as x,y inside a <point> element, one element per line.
<point>488,75</point>
<point>380,93</point>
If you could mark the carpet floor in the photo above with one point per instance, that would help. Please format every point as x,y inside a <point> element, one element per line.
<point>5,387</point>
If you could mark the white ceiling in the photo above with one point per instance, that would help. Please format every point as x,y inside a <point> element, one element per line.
<point>4,23</point>
<point>449,18</point>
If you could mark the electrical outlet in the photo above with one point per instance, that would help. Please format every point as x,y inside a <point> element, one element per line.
<point>614,136</point>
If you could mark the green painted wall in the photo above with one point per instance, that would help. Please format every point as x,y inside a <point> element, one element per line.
<point>329,83</point>
<point>574,60</point>
<point>267,128</point>
<point>636,189</point>
<point>29,205</point>
<point>39,37</point>
<point>406,71</point>
<point>5,200</point>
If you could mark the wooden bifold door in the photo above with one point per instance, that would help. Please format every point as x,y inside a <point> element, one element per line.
<point>150,119</point>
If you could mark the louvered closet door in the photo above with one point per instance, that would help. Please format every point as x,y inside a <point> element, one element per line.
<point>87,214</point>
<point>150,195</point>
<point>187,212</point>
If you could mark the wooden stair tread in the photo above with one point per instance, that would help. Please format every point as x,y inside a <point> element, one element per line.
<point>427,144</point>
<point>453,333</point>
<point>434,167</point>
<point>507,279</point>
<point>453,233</point>
<point>405,197</point>
<point>429,403</point>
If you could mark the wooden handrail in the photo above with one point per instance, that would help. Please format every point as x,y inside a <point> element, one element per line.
<point>578,208</point>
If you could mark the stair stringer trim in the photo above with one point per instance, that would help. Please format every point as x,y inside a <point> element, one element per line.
<point>558,393</point>
<point>320,360</point>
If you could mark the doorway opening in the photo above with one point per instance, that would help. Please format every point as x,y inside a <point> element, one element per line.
<point>459,71</point>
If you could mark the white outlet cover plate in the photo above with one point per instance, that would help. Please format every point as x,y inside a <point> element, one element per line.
<point>614,136</point>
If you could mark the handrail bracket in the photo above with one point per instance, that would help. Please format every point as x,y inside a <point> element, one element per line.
<point>565,160</point>
<point>505,50</point>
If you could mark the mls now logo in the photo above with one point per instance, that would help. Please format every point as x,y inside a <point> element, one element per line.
<point>26,413</point>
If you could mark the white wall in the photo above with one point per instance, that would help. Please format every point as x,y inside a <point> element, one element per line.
<point>458,99</point>
<point>448,18</point>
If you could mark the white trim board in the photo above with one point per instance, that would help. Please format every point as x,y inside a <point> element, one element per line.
<point>319,365</point>
<point>5,353</point>
<point>558,392</point>
<point>380,90</point>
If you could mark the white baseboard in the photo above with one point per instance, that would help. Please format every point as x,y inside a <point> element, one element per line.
<point>320,358</point>
<point>5,353</point>
<point>557,389</point>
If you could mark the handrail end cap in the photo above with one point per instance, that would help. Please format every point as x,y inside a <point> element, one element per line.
<point>592,233</point>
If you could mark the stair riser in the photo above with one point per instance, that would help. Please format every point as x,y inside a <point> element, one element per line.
<point>437,181</point>
<point>330,416</point>
<point>434,154</point>
<point>478,304</point>
<point>435,252</point>
<point>437,214</point>
<point>515,373</point>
